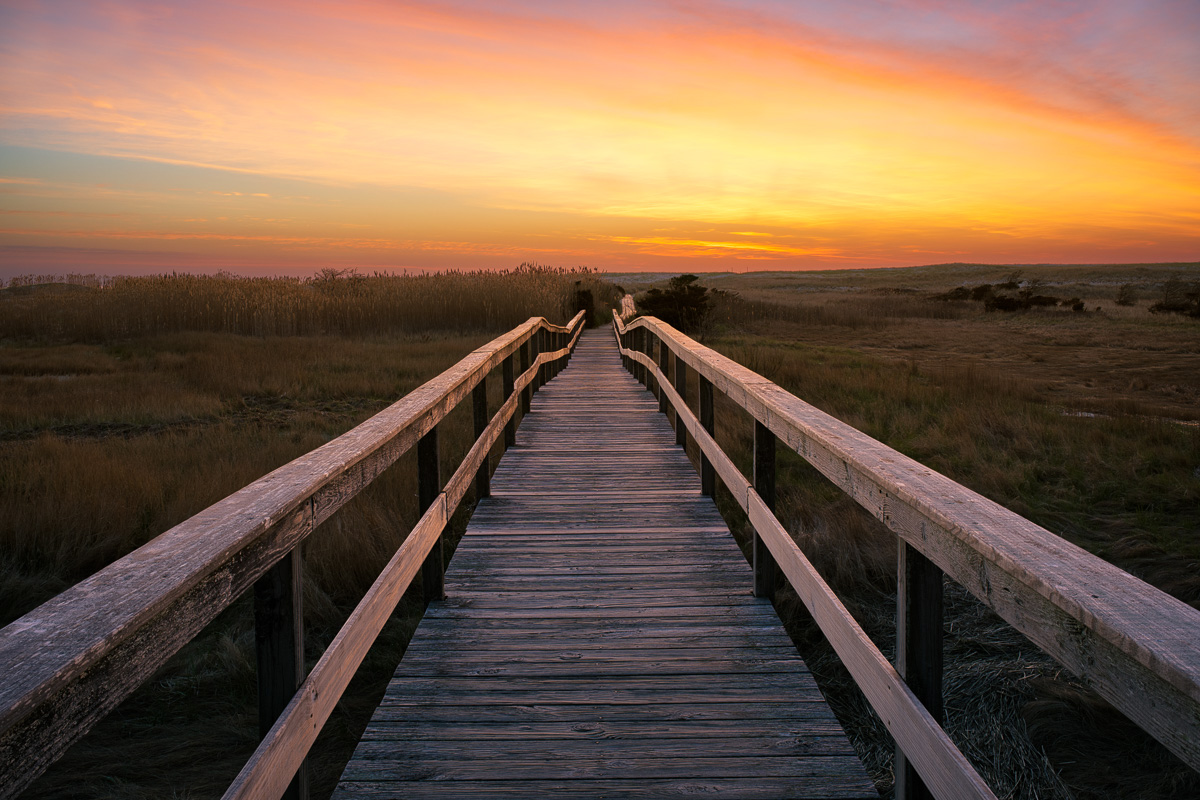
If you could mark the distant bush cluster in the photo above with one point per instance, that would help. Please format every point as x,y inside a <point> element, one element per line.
<point>335,301</point>
<point>1179,298</point>
<point>1024,296</point>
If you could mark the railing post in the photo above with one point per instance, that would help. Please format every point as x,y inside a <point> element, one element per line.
<point>429,486</point>
<point>508,382</point>
<point>479,407</point>
<point>279,641</point>
<point>918,650</point>
<point>764,485</point>
<point>526,360</point>
<point>681,387</point>
<point>539,347</point>
<point>664,353</point>
<point>708,475</point>
<point>639,344</point>
<point>646,346</point>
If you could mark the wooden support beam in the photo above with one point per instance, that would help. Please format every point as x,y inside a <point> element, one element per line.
<point>708,476</point>
<point>764,484</point>
<point>479,408</point>
<point>527,356</point>
<point>681,388</point>
<point>429,486</point>
<point>279,642</point>
<point>918,650</point>
<point>507,383</point>
<point>664,355</point>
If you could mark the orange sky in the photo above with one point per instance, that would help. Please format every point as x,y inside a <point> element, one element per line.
<point>665,136</point>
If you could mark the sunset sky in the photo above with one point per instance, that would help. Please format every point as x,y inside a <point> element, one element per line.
<point>671,136</point>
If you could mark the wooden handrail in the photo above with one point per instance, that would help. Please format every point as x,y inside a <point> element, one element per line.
<point>70,661</point>
<point>1136,645</point>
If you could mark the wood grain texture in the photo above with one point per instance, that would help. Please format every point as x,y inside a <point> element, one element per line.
<point>598,638</point>
<point>1135,645</point>
<point>70,661</point>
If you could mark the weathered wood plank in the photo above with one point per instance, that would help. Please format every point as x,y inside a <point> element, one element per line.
<point>796,788</point>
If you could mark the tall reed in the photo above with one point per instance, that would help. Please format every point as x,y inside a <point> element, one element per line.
<point>90,308</point>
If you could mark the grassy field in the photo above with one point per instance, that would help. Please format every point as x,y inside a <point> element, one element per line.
<point>1083,421</point>
<point>128,405</point>
<point>125,414</point>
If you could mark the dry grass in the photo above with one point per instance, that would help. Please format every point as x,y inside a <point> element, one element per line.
<point>984,398</point>
<point>107,440</point>
<point>86,308</point>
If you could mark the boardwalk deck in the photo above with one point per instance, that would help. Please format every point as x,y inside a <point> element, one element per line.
<point>599,638</point>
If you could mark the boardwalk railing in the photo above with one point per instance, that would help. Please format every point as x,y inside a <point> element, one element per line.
<point>70,661</point>
<point>1135,645</point>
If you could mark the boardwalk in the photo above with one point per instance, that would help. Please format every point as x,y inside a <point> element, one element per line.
<point>599,638</point>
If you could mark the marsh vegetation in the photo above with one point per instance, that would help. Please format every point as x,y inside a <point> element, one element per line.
<point>1083,421</point>
<point>128,405</point>
<point>135,403</point>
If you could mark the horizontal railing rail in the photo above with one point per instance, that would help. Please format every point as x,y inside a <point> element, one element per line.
<point>1135,645</point>
<point>70,661</point>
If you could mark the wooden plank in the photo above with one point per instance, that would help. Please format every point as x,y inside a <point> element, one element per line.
<point>797,788</point>
<point>458,729</point>
<point>1137,646</point>
<point>593,717</point>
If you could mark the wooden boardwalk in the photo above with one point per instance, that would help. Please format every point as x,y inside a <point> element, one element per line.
<point>599,638</point>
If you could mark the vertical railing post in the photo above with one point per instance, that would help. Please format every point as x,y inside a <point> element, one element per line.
<point>681,387</point>
<point>429,486</point>
<point>508,382</point>
<point>708,475</point>
<point>918,650</point>
<point>279,641</point>
<point>638,337</point>
<point>526,360</point>
<point>664,354</point>
<point>540,346</point>
<point>479,409</point>
<point>652,344</point>
<point>764,485</point>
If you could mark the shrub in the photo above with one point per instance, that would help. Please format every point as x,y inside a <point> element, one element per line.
<point>1179,299</point>
<point>1127,295</point>
<point>683,304</point>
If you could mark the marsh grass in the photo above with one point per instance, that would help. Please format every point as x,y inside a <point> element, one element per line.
<point>343,302</point>
<point>982,399</point>
<point>125,414</point>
